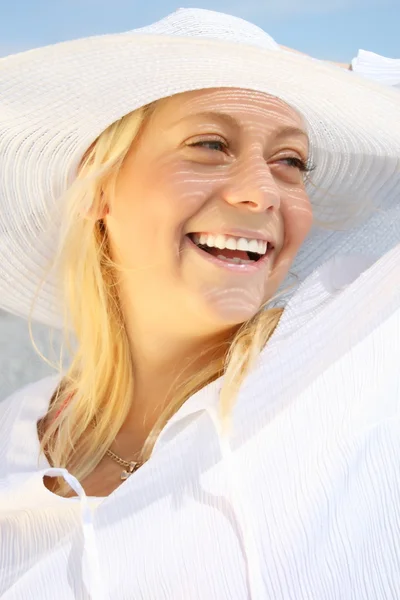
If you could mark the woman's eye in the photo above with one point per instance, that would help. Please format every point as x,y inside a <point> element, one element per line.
<point>296,163</point>
<point>215,145</point>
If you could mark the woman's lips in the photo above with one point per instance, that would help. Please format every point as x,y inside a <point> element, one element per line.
<point>243,268</point>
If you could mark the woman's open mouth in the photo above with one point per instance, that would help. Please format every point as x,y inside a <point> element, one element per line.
<point>232,251</point>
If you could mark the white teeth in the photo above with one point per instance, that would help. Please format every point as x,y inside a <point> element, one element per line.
<point>242,244</point>
<point>222,241</point>
<point>219,242</point>
<point>230,243</point>
<point>210,241</point>
<point>262,247</point>
<point>253,246</point>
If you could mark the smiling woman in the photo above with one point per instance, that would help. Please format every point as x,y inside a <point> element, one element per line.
<point>220,226</point>
<point>152,205</point>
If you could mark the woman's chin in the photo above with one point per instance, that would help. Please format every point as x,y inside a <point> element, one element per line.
<point>231,312</point>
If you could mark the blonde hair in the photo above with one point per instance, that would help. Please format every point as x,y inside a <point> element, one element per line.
<point>98,386</point>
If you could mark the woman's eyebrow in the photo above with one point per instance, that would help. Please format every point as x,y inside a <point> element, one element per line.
<point>290,130</point>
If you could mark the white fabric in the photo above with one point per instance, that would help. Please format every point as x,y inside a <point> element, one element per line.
<point>380,68</point>
<point>93,501</point>
<point>300,502</point>
<point>55,101</point>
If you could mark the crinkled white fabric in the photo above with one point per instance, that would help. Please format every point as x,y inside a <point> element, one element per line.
<point>380,68</point>
<point>301,501</point>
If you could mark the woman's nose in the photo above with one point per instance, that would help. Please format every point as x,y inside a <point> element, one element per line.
<point>253,186</point>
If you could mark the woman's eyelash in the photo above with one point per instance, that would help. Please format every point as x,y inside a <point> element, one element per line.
<point>222,147</point>
<point>299,163</point>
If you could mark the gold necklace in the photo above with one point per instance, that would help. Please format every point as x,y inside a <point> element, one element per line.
<point>130,466</point>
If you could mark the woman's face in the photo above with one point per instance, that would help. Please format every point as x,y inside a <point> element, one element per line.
<point>210,209</point>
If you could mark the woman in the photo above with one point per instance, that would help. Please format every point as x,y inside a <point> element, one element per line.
<point>185,452</point>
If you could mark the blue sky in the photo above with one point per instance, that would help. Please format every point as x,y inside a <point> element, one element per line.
<point>326,29</point>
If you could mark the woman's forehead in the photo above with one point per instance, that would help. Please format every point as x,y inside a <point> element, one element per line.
<point>239,103</point>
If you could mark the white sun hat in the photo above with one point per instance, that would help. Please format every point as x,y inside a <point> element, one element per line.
<point>55,101</point>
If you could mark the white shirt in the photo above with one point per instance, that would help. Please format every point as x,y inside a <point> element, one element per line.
<point>301,501</point>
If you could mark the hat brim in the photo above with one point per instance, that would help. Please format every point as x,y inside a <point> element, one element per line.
<point>57,100</point>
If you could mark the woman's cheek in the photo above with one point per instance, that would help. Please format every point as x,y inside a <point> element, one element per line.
<point>187,191</point>
<point>297,217</point>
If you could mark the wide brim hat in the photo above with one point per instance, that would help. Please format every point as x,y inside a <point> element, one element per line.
<point>55,101</point>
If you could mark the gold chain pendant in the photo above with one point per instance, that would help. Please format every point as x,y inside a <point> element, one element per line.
<point>129,470</point>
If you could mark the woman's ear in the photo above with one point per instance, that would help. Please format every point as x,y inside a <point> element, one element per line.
<point>104,209</point>
<point>98,210</point>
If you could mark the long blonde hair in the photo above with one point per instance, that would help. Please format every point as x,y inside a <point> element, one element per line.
<point>98,385</point>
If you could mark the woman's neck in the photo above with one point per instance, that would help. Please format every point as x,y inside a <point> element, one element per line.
<point>159,377</point>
